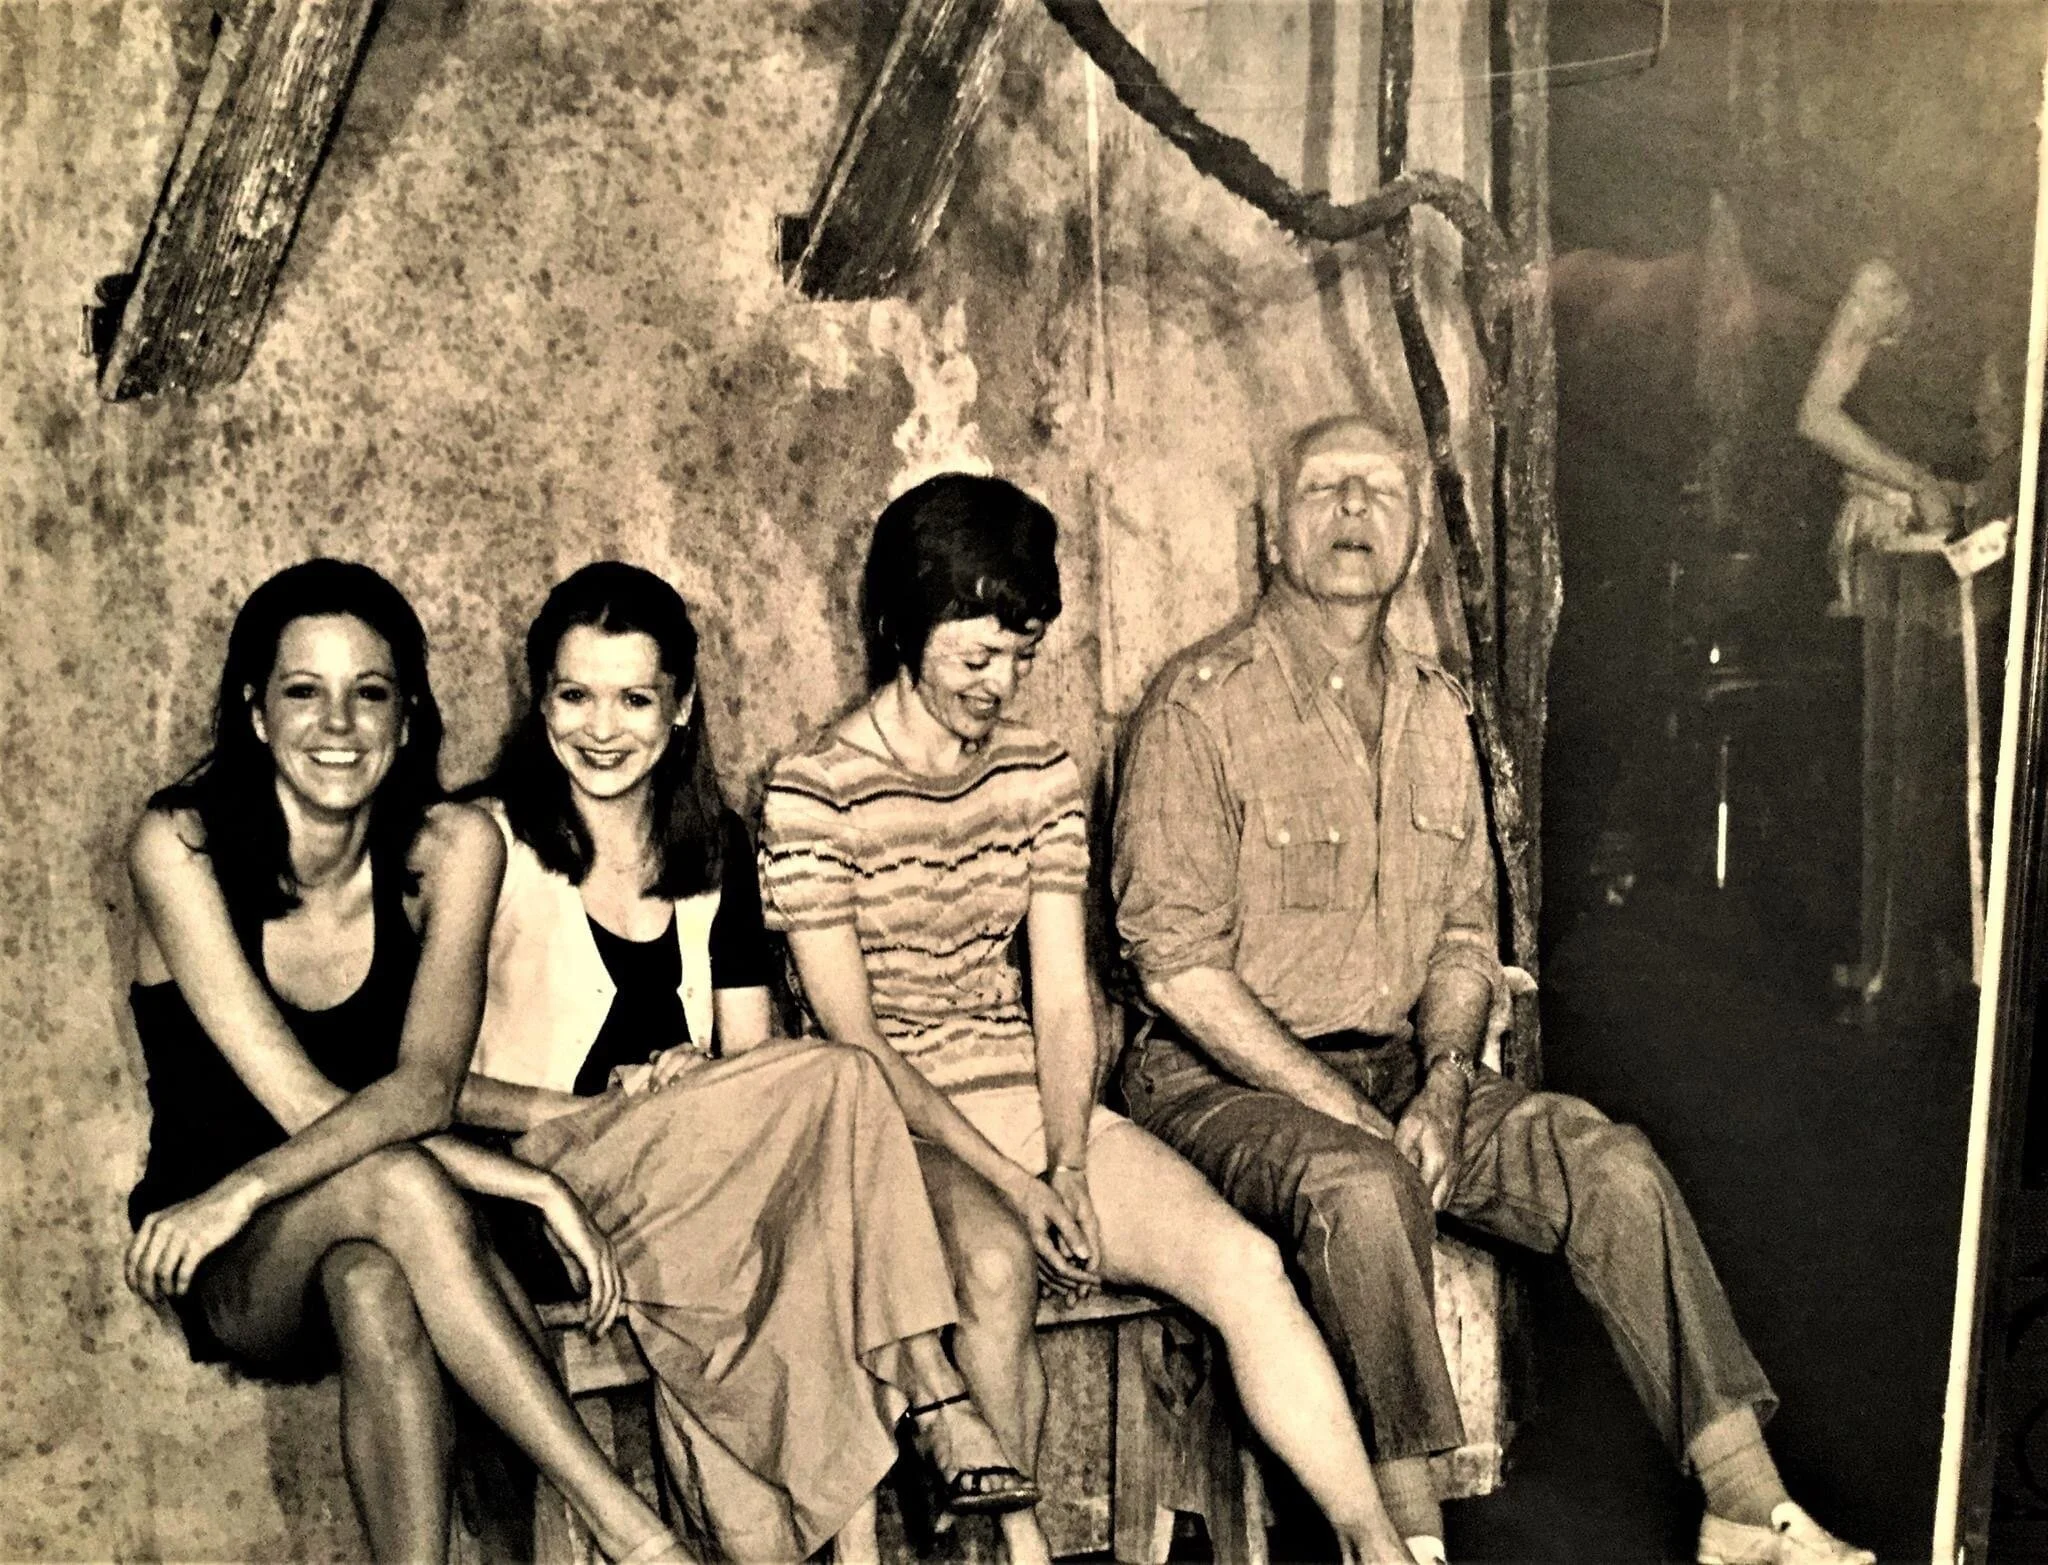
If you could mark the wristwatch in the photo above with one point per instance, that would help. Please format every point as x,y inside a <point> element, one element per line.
<point>1458,1061</point>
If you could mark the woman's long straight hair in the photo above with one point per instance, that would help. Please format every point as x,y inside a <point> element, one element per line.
<point>233,788</point>
<point>531,783</point>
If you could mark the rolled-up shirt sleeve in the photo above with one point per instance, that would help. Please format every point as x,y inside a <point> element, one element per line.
<point>1469,940</point>
<point>1173,869</point>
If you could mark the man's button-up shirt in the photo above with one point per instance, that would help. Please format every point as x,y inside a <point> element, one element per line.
<point>1255,831</point>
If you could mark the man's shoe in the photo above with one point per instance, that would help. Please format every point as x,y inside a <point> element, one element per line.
<point>1793,1538</point>
<point>1425,1549</point>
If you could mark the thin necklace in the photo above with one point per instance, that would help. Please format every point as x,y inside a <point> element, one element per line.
<point>875,722</point>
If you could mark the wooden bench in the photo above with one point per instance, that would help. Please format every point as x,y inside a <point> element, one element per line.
<point>1142,1425</point>
<point>1137,1374</point>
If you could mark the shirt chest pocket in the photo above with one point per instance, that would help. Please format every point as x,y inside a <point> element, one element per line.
<point>1309,853</point>
<point>1438,813</point>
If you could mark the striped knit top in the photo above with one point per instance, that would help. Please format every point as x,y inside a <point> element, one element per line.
<point>935,874</point>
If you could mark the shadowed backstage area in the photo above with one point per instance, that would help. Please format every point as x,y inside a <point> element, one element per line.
<point>1704,726</point>
<point>582,279</point>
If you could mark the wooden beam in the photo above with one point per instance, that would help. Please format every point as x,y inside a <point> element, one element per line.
<point>273,92</point>
<point>1525,508</point>
<point>888,185</point>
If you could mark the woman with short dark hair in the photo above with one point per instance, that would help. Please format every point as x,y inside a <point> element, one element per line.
<point>781,1270</point>
<point>905,854</point>
<point>309,971</point>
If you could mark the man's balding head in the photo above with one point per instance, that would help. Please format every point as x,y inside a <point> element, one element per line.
<point>1361,430</point>
<point>1348,520</point>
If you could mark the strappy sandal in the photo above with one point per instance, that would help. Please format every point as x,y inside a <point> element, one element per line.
<point>973,1491</point>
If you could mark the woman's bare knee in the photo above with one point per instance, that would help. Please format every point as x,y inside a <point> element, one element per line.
<point>842,1062</point>
<point>407,1198</point>
<point>1237,1266</point>
<point>371,1305</point>
<point>996,1277</point>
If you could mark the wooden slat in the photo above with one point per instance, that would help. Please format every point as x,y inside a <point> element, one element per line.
<point>1103,1304</point>
<point>561,1316</point>
<point>1531,566</point>
<point>888,185</point>
<point>232,202</point>
<point>584,1365</point>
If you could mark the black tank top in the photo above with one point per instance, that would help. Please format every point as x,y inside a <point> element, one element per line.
<point>646,1013</point>
<point>1915,397</point>
<point>204,1123</point>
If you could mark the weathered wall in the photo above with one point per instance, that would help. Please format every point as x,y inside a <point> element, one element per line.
<point>1213,326</point>
<point>532,319</point>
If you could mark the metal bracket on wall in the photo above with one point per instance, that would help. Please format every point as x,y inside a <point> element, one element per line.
<point>102,318</point>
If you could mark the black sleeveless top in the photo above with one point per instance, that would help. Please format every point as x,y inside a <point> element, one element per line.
<point>1915,397</point>
<point>204,1124</point>
<point>646,1013</point>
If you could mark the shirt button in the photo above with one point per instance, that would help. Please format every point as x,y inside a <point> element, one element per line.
<point>1283,837</point>
<point>1336,681</point>
<point>1383,991</point>
<point>1205,673</point>
<point>1336,835</point>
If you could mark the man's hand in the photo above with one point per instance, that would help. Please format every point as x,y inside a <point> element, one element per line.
<point>1934,505</point>
<point>170,1244</point>
<point>1361,1113</point>
<point>1430,1132</point>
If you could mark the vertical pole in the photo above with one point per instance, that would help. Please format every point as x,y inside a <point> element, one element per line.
<point>1973,771</point>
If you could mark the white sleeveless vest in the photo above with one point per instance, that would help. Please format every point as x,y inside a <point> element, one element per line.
<point>548,992</point>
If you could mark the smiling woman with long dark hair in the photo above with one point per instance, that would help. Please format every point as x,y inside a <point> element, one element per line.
<point>309,972</point>
<point>781,1268</point>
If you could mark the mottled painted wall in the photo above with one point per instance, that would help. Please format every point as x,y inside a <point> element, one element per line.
<point>1218,338</point>
<point>532,318</point>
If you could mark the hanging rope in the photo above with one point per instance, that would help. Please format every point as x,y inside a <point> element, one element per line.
<point>1305,214</point>
<point>1432,400</point>
<point>1314,216</point>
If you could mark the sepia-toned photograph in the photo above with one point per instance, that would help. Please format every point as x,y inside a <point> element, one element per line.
<point>997,781</point>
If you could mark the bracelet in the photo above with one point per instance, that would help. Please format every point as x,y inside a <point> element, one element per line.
<point>1459,1062</point>
<point>1068,1168</point>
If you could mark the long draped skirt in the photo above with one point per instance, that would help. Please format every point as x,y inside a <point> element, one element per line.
<point>772,1229</point>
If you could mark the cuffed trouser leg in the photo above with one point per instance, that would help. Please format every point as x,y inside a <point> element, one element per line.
<point>1554,1174</point>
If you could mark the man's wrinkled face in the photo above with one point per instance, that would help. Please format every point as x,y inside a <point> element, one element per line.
<point>1349,520</point>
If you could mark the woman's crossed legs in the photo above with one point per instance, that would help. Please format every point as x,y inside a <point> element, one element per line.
<point>411,1289</point>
